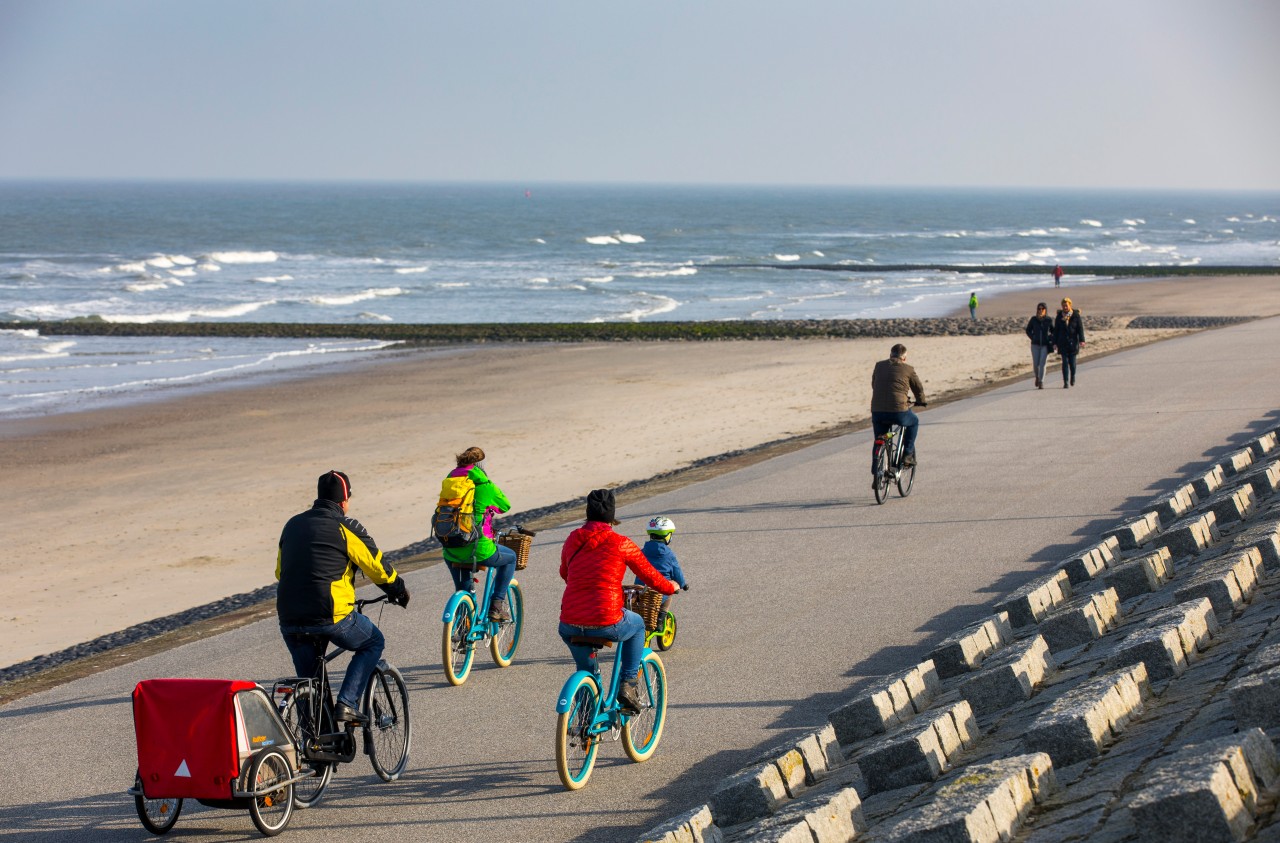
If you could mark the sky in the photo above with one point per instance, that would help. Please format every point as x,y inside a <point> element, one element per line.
<point>1164,94</point>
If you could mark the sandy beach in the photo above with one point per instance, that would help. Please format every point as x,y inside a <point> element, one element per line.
<point>126,514</point>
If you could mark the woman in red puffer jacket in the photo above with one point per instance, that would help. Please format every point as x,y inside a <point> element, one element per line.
<point>593,563</point>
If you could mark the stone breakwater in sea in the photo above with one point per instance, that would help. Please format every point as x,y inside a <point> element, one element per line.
<point>778,329</point>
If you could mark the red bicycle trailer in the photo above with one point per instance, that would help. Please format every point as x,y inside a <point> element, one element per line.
<point>218,741</point>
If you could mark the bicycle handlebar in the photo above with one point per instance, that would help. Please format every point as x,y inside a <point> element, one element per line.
<point>360,604</point>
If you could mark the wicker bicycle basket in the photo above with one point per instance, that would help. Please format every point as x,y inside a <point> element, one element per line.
<point>648,605</point>
<point>520,543</point>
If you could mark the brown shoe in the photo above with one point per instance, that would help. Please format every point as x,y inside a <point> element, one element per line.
<point>499,612</point>
<point>629,696</point>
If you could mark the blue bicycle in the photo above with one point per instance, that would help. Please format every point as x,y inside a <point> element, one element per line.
<point>587,712</point>
<point>466,625</point>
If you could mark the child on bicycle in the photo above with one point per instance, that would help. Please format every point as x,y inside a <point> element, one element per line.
<point>660,555</point>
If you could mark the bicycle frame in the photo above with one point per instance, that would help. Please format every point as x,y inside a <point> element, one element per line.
<point>610,715</point>
<point>481,626</point>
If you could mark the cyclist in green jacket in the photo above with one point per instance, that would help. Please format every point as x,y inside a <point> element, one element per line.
<point>484,551</point>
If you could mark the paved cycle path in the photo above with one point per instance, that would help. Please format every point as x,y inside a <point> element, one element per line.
<point>802,586</point>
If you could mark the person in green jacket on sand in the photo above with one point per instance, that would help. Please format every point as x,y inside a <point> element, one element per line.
<point>484,551</point>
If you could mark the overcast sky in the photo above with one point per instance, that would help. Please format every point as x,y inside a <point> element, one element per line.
<point>1121,93</point>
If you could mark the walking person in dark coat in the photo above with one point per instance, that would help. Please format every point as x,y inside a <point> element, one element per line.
<point>1040,332</point>
<point>1068,336</point>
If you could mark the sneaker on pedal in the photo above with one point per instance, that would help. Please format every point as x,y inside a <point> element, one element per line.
<point>344,713</point>
<point>629,696</point>
<point>499,612</point>
<point>909,460</point>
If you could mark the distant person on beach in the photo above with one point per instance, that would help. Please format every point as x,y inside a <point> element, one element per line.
<point>892,383</point>
<point>484,552</point>
<point>593,562</point>
<point>973,305</point>
<point>1057,275</point>
<point>316,561</point>
<point>1040,332</point>
<point>1068,336</point>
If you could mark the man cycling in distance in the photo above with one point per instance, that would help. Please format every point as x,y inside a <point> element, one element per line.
<point>891,381</point>
<point>319,552</point>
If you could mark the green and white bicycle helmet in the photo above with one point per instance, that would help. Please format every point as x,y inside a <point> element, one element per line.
<point>661,526</point>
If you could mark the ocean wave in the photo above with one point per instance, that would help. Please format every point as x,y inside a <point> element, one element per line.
<point>1034,232</point>
<point>1134,222</point>
<point>539,280</point>
<point>145,286</point>
<point>629,238</point>
<point>374,317</point>
<point>209,267</point>
<point>448,285</point>
<point>785,258</point>
<point>411,270</point>
<point>132,266</point>
<point>243,257</point>
<point>599,279</point>
<point>664,273</point>
<point>1190,222</point>
<point>603,240</point>
<point>355,297</point>
<point>186,315</point>
<point>651,305</point>
<point>1094,223</point>
<point>818,254</point>
<point>271,279</point>
<point>182,273</point>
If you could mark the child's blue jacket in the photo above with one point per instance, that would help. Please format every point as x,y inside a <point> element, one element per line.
<point>661,557</point>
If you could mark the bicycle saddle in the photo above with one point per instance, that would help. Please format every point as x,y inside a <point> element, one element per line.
<point>590,641</point>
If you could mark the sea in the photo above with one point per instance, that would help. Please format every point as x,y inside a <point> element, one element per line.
<point>459,253</point>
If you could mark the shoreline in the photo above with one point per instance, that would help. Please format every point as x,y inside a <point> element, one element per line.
<point>139,512</point>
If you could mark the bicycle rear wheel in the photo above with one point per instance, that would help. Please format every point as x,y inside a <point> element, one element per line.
<point>666,634</point>
<point>387,737</point>
<point>575,746</point>
<point>299,714</point>
<point>456,650</point>
<point>641,732</point>
<point>881,482</point>
<point>503,645</point>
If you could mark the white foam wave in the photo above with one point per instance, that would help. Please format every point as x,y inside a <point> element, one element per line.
<point>272,279</point>
<point>182,273</point>
<point>145,286</point>
<point>243,257</point>
<point>1190,222</point>
<point>411,270</point>
<point>599,279</point>
<point>1094,223</point>
<point>787,258</point>
<point>540,241</point>
<point>539,280</point>
<point>650,305</point>
<point>375,317</point>
<point>134,267</point>
<point>355,297</point>
<point>666,273</point>
<point>444,285</point>
<point>630,238</point>
<point>187,315</point>
<point>209,267</point>
<point>1034,232</point>
<point>1134,222</point>
<point>818,254</point>
<point>161,262</point>
<point>603,240</point>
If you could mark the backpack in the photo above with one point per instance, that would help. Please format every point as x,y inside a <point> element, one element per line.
<point>454,521</point>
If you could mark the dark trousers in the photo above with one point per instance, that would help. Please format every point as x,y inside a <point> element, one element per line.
<point>880,423</point>
<point>1068,367</point>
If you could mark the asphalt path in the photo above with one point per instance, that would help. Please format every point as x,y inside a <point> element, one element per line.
<point>801,588</point>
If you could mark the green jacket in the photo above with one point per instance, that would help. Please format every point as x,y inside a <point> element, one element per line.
<point>489,500</point>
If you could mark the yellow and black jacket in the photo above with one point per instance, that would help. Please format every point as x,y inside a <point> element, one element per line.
<point>316,565</point>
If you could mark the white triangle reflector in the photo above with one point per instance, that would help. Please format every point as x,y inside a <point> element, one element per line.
<point>182,770</point>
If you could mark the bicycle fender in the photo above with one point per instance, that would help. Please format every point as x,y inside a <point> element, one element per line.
<point>571,686</point>
<point>451,607</point>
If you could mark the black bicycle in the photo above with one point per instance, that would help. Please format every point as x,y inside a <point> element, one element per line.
<point>886,462</point>
<point>307,707</point>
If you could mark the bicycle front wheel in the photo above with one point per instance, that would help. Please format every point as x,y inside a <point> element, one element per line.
<point>299,714</point>
<point>906,477</point>
<point>272,807</point>
<point>575,746</point>
<point>502,646</point>
<point>387,735</point>
<point>641,732</point>
<point>456,648</point>
<point>666,634</point>
<point>881,482</point>
<point>157,815</point>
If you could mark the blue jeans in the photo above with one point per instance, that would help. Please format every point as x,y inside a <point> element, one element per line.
<point>1039,357</point>
<point>1068,367</point>
<point>502,565</point>
<point>356,633</point>
<point>629,632</point>
<point>880,423</point>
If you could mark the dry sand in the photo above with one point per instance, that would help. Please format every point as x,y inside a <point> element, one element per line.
<point>122,515</point>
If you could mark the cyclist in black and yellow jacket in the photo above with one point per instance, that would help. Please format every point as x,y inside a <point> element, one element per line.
<point>320,550</point>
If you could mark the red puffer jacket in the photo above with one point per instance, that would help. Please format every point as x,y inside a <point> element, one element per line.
<point>593,562</point>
